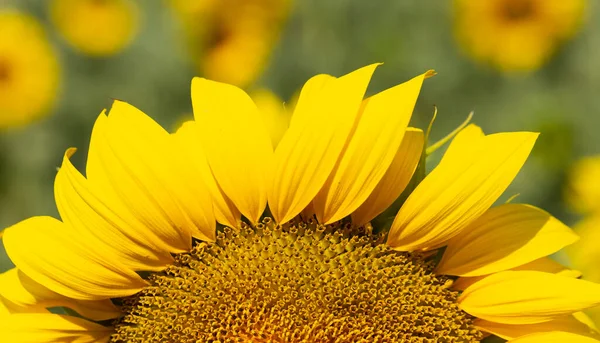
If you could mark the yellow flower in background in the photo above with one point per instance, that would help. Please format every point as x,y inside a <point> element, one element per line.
<point>138,237</point>
<point>232,40</point>
<point>96,27</point>
<point>583,190</point>
<point>583,196</point>
<point>516,35</point>
<point>29,70</point>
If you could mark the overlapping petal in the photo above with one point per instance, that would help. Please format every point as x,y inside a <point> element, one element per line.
<point>468,180</point>
<point>563,324</point>
<point>187,139</point>
<point>50,253</point>
<point>395,179</point>
<point>89,215</point>
<point>236,143</point>
<point>369,152</point>
<point>22,294</point>
<point>308,152</point>
<point>528,297</point>
<point>554,337</point>
<point>139,173</point>
<point>51,328</point>
<point>544,264</point>
<point>504,237</point>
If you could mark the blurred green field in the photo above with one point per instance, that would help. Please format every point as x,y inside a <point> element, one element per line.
<point>333,37</point>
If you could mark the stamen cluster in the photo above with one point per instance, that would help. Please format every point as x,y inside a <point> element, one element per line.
<point>302,282</point>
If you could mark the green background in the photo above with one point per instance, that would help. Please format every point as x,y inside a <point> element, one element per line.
<point>334,37</point>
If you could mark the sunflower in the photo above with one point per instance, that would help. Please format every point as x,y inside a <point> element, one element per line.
<point>516,35</point>
<point>29,70</point>
<point>211,235</point>
<point>583,196</point>
<point>232,40</point>
<point>96,27</point>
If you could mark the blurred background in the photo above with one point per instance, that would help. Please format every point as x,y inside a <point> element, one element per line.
<point>519,64</point>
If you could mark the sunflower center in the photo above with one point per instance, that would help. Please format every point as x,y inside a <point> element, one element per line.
<point>517,10</point>
<point>302,282</point>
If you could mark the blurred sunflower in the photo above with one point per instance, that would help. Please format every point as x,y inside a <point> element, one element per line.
<point>232,40</point>
<point>516,35</point>
<point>138,238</point>
<point>583,191</point>
<point>29,70</point>
<point>583,195</point>
<point>96,27</point>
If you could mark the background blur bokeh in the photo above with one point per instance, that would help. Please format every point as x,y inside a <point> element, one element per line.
<point>515,72</point>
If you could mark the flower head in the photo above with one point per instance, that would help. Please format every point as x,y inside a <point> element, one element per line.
<point>29,70</point>
<point>231,41</point>
<point>516,35</point>
<point>295,257</point>
<point>96,27</point>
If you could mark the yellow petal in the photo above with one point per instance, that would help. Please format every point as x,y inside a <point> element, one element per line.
<point>134,170</point>
<point>544,264</point>
<point>275,114</point>
<point>395,179</point>
<point>154,160</point>
<point>554,337</point>
<point>53,255</point>
<point>89,215</point>
<point>51,328</point>
<point>468,180</point>
<point>4,309</point>
<point>548,265</point>
<point>585,319</point>
<point>504,237</point>
<point>527,297</point>
<point>464,143</point>
<point>320,126</point>
<point>26,295</point>
<point>236,143</point>
<point>563,324</point>
<point>188,140</point>
<point>369,152</point>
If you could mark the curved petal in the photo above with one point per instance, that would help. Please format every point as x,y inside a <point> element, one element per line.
<point>50,253</point>
<point>468,180</point>
<point>138,172</point>
<point>26,295</point>
<point>369,152</point>
<point>554,337</point>
<point>527,297</point>
<point>320,126</point>
<point>236,143</point>
<point>544,264</point>
<point>563,324</point>
<point>188,140</point>
<point>504,237</point>
<point>85,212</point>
<point>51,328</point>
<point>395,179</point>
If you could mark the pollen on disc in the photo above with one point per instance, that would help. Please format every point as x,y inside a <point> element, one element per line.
<point>302,282</point>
